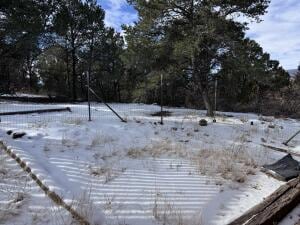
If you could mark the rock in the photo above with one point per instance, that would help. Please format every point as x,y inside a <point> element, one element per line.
<point>203,123</point>
<point>251,123</point>
<point>271,126</point>
<point>18,135</point>
<point>9,132</point>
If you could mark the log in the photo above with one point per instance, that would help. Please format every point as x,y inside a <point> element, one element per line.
<point>274,208</point>
<point>35,111</point>
<point>281,150</point>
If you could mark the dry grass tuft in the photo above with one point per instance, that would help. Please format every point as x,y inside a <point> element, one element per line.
<point>73,121</point>
<point>13,191</point>
<point>234,163</point>
<point>101,139</point>
<point>266,119</point>
<point>168,214</point>
<point>85,207</point>
<point>68,142</point>
<point>157,149</point>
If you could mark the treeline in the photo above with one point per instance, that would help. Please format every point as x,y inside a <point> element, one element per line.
<point>52,47</point>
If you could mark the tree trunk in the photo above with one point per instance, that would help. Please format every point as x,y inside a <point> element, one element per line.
<point>202,89</point>
<point>207,103</point>
<point>74,74</point>
<point>68,73</point>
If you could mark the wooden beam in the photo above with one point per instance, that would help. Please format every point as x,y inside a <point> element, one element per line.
<point>35,111</point>
<point>278,149</point>
<point>274,208</point>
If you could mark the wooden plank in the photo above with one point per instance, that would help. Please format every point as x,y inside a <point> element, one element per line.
<point>273,208</point>
<point>281,150</point>
<point>35,111</point>
<point>279,209</point>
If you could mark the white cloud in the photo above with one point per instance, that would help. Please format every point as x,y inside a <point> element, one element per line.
<point>279,33</point>
<point>118,13</point>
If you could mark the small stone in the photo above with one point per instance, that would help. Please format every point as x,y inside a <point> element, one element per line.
<point>271,126</point>
<point>18,135</point>
<point>203,123</point>
<point>9,132</point>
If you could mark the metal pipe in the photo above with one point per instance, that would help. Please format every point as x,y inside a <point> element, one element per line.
<point>108,106</point>
<point>88,96</point>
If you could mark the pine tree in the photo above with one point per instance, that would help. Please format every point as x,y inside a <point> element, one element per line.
<point>195,34</point>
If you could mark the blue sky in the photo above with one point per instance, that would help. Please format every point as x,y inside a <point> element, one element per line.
<point>278,34</point>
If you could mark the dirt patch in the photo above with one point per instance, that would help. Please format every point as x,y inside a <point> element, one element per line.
<point>163,113</point>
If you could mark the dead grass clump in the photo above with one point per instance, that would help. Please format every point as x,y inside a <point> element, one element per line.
<point>85,207</point>
<point>13,208</point>
<point>233,164</point>
<point>244,119</point>
<point>73,121</point>
<point>107,172</point>
<point>167,213</point>
<point>3,167</point>
<point>158,148</point>
<point>266,119</point>
<point>13,190</point>
<point>39,124</point>
<point>101,139</point>
<point>136,153</point>
<point>68,142</point>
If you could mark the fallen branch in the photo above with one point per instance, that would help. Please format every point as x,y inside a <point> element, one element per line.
<point>35,111</point>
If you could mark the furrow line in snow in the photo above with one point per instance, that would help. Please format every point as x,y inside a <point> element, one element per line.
<point>51,194</point>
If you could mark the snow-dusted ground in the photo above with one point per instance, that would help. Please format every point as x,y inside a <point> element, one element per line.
<point>141,172</point>
<point>21,200</point>
<point>292,218</point>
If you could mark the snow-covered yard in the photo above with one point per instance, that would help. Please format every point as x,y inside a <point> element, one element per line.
<point>141,172</point>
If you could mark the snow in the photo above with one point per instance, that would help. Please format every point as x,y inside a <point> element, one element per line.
<point>292,218</point>
<point>19,94</point>
<point>21,200</point>
<point>141,172</point>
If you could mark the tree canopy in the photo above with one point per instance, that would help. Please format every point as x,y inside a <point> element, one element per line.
<point>53,47</point>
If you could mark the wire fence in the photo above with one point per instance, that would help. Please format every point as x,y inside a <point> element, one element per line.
<point>30,111</point>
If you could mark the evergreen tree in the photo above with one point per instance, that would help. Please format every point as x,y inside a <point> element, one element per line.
<point>195,34</point>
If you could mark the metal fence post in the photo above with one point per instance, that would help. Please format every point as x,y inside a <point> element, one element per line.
<point>161,100</point>
<point>88,96</point>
